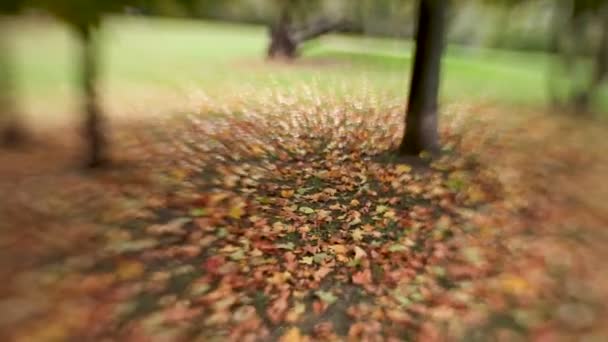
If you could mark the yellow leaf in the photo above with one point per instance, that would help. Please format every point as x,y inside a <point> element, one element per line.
<point>236,212</point>
<point>294,314</point>
<point>287,193</point>
<point>306,260</point>
<point>129,270</point>
<point>403,168</point>
<point>360,253</point>
<point>515,285</point>
<point>357,234</point>
<point>338,249</point>
<point>292,335</point>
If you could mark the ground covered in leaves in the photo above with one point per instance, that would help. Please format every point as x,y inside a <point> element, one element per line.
<point>292,219</point>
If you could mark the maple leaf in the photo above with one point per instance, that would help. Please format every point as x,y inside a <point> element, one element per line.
<point>322,272</point>
<point>237,255</point>
<point>357,234</point>
<point>306,260</point>
<point>360,253</point>
<point>397,248</point>
<point>287,193</point>
<point>338,249</point>
<point>237,211</point>
<point>276,310</point>
<point>381,209</point>
<point>293,335</point>
<point>326,296</point>
<point>279,278</point>
<point>129,270</point>
<point>289,246</point>
<point>363,277</point>
<point>294,314</point>
<point>403,168</point>
<point>213,264</point>
<point>306,210</point>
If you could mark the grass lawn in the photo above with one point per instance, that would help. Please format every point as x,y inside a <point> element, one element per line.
<point>160,56</point>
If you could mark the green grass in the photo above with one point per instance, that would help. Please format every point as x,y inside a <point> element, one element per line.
<point>140,54</point>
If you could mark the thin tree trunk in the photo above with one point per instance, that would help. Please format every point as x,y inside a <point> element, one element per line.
<point>93,125</point>
<point>12,133</point>
<point>421,117</point>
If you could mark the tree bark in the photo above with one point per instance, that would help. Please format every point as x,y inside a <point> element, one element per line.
<point>282,44</point>
<point>94,124</point>
<point>319,28</point>
<point>421,116</point>
<point>12,133</point>
<point>285,38</point>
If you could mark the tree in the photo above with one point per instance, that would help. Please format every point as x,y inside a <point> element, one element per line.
<point>580,65</point>
<point>84,18</point>
<point>421,117</point>
<point>11,128</point>
<point>294,27</point>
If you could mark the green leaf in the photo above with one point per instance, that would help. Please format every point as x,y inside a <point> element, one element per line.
<point>302,191</point>
<point>306,210</point>
<point>288,246</point>
<point>326,296</point>
<point>306,260</point>
<point>198,212</point>
<point>381,209</point>
<point>320,257</point>
<point>397,248</point>
<point>237,255</point>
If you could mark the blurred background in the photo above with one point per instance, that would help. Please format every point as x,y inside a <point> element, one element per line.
<point>518,52</point>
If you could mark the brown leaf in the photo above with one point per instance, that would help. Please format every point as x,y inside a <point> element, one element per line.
<point>362,277</point>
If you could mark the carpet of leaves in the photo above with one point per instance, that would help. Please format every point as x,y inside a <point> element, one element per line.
<point>292,220</point>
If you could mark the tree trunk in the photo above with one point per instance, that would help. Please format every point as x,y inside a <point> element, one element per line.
<point>93,125</point>
<point>282,44</point>
<point>421,117</point>
<point>12,133</point>
<point>317,29</point>
<point>285,39</point>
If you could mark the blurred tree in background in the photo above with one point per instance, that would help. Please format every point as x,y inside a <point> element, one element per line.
<point>84,18</point>
<point>580,39</point>
<point>298,21</point>
<point>11,127</point>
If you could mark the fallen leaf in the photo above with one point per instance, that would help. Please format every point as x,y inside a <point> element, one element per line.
<point>288,246</point>
<point>287,193</point>
<point>362,277</point>
<point>292,335</point>
<point>357,234</point>
<point>306,210</point>
<point>326,296</point>
<point>128,270</point>
<point>338,249</point>
<point>360,253</point>
<point>306,260</point>
<point>403,168</point>
<point>236,212</point>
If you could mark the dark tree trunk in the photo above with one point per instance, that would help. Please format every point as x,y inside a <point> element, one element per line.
<point>12,133</point>
<point>421,117</point>
<point>282,44</point>
<point>583,98</point>
<point>94,124</point>
<point>285,39</point>
<point>317,29</point>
